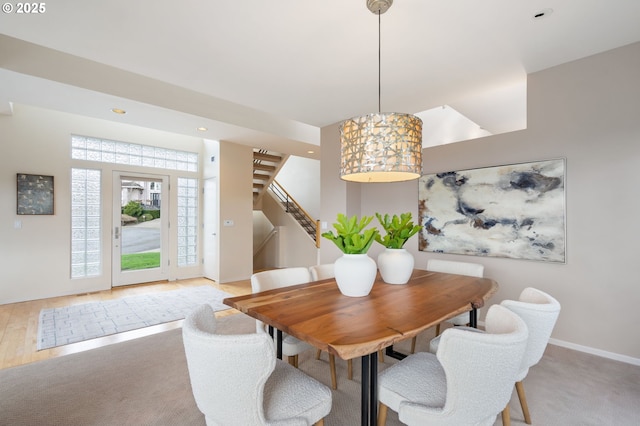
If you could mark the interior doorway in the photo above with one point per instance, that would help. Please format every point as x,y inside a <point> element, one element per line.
<point>210,230</point>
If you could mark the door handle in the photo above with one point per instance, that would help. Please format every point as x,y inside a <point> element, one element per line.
<point>116,234</point>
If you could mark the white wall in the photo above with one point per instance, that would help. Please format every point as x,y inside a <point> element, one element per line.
<point>35,260</point>
<point>587,112</point>
<point>264,257</point>
<point>292,247</point>
<point>300,177</point>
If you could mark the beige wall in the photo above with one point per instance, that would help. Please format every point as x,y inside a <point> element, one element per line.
<point>236,204</point>
<point>292,247</point>
<point>35,260</point>
<point>587,112</point>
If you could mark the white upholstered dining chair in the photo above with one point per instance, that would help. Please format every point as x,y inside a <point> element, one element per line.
<point>285,277</point>
<point>540,312</point>
<point>322,272</point>
<point>237,380</point>
<point>469,381</point>
<point>453,267</point>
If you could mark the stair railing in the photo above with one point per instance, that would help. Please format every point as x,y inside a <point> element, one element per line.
<point>306,221</point>
<point>269,172</point>
<point>262,245</point>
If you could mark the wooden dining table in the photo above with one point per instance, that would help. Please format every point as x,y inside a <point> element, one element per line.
<point>351,327</point>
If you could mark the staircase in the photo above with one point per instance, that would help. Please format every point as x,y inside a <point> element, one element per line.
<point>265,167</point>
<point>290,205</point>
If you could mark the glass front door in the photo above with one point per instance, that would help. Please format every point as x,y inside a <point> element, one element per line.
<point>140,232</point>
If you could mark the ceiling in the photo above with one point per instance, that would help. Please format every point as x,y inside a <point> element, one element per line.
<point>271,74</point>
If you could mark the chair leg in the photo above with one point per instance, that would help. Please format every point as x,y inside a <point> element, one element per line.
<point>523,402</point>
<point>506,417</point>
<point>438,330</point>
<point>319,423</point>
<point>380,355</point>
<point>413,344</point>
<point>350,369</point>
<point>318,352</point>
<point>332,365</point>
<point>382,414</point>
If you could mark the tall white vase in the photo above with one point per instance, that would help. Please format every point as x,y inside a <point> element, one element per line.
<point>355,274</point>
<point>396,266</point>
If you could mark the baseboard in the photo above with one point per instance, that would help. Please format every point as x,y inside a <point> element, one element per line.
<point>598,352</point>
<point>589,350</point>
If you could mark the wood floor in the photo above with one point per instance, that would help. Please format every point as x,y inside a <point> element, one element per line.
<point>19,321</point>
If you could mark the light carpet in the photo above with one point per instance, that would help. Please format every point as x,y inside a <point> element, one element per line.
<point>76,323</point>
<point>145,382</point>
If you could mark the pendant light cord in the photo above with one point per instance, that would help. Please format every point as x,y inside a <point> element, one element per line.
<point>379,62</point>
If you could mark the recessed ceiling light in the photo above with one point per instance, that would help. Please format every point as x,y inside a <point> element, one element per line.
<point>543,13</point>
<point>118,111</point>
<point>202,129</point>
<point>310,152</point>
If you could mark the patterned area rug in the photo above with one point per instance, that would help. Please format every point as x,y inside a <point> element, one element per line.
<point>76,323</point>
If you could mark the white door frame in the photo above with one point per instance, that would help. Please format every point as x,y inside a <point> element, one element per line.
<point>210,230</point>
<point>119,277</point>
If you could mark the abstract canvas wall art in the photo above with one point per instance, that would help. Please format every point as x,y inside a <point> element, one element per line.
<point>513,211</point>
<point>35,194</point>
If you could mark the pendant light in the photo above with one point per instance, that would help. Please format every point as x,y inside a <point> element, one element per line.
<point>381,147</point>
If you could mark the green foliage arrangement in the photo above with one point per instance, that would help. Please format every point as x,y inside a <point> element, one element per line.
<point>145,217</point>
<point>399,230</point>
<point>351,236</point>
<point>155,214</point>
<point>132,208</point>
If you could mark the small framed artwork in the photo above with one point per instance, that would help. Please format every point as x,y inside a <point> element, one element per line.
<point>35,194</point>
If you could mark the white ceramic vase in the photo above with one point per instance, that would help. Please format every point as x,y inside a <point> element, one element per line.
<point>396,265</point>
<point>355,274</point>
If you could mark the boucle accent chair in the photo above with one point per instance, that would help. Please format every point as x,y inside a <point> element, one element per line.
<point>322,272</point>
<point>468,382</point>
<point>540,312</point>
<point>237,380</point>
<point>285,277</point>
<point>453,267</point>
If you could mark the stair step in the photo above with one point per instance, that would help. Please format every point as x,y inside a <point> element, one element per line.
<point>267,157</point>
<point>264,167</point>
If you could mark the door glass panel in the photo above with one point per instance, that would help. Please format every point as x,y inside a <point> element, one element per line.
<point>141,224</point>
